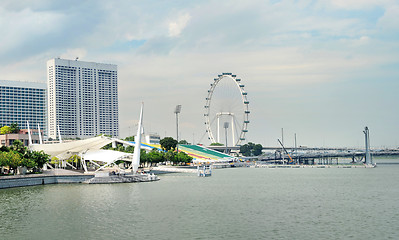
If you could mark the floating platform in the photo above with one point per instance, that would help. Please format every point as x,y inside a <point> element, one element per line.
<point>107,177</point>
<point>204,171</point>
<point>172,169</point>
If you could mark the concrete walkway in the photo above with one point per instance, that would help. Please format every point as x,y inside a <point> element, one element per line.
<point>52,172</point>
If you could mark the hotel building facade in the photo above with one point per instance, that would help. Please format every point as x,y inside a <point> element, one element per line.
<point>82,98</point>
<point>21,102</point>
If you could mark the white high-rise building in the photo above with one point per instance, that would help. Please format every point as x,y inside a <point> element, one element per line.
<point>21,102</point>
<point>82,98</point>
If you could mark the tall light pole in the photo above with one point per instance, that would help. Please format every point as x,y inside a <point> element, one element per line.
<point>282,140</point>
<point>177,111</point>
<point>226,126</point>
<point>296,154</point>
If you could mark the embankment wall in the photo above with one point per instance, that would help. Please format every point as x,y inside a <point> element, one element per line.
<point>23,181</point>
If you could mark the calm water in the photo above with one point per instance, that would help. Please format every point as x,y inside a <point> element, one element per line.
<point>241,203</point>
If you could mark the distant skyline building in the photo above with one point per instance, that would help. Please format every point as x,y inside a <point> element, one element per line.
<point>152,138</point>
<point>82,98</point>
<point>21,102</point>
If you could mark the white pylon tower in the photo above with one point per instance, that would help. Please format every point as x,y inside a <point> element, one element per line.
<point>40,134</point>
<point>137,145</point>
<point>29,134</point>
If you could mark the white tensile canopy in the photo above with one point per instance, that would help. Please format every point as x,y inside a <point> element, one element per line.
<point>107,156</point>
<point>89,149</point>
<point>66,149</point>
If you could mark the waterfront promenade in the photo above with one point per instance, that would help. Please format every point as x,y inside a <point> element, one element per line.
<point>54,176</point>
<point>63,176</point>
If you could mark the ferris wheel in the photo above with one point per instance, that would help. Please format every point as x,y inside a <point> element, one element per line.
<point>226,111</point>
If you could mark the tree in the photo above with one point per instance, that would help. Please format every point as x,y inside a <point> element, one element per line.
<point>183,142</point>
<point>217,144</point>
<point>129,149</point>
<point>41,158</point>
<point>5,130</point>
<point>18,155</point>
<point>4,149</point>
<point>14,160</point>
<point>168,143</point>
<point>19,147</point>
<point>251,149</point>
<point>143,156</point>
<point>155,156</point>
<point>14,128</point>
<point>170,156</point>
<point>257,150</point>
<point>3,159</point>
<point>245,150</point>
<point>120,148</point>
<point>107,147</point>
<point>182,157</point>
<point>130,139</point>
<point>28,162</point>
<point>55,160</point>
<point>74,160</point>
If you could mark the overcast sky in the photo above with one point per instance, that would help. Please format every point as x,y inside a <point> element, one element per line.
<point>323,69</point>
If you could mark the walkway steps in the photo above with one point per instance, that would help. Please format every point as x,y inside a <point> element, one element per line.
<point>205,153</point>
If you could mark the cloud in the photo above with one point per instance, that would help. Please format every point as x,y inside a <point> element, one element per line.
<point>363,4</point>
<point>177,26</point>
<point>19,28</point>
<point>390,20</point>
<point>74,53</point>
<point>294,57</point>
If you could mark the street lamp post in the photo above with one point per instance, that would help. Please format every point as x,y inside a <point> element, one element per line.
<point>177,111</point>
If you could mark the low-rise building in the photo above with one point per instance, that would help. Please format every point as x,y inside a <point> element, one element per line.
<point>23,136</point>
<point>152,138</point>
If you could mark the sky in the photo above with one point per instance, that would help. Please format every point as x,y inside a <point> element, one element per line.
<point>320,69</point>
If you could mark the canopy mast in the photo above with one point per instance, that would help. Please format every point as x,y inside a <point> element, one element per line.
<point>137,140</point>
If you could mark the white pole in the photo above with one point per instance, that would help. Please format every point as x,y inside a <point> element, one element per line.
<point>59,133</point>
<point>226,125</point>
<point>29,135</point>
<point>137,145</point>
<point>282,141</point>
<point>296,154</point>
<point>40,134</point>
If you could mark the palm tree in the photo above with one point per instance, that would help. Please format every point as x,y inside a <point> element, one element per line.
<point>14,128</point>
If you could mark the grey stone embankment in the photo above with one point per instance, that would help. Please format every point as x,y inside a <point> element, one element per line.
<point>47,177</point>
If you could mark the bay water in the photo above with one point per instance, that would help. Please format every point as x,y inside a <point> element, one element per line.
<point>236,203</point>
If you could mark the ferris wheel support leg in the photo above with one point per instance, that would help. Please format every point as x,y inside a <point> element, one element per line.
<point>232,131</point>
